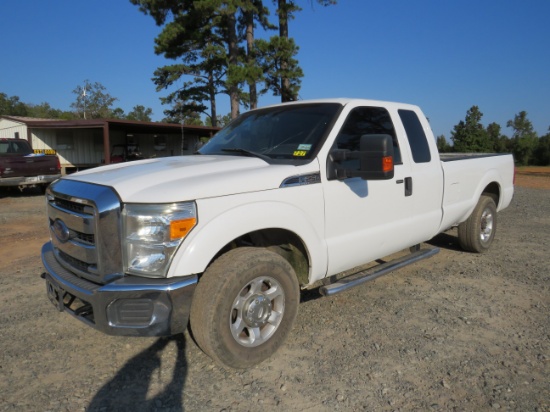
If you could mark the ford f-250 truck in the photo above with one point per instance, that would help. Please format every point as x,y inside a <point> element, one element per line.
<point>20,167</point>
<point>280,199</point>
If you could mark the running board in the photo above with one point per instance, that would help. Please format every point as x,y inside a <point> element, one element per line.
<point>359,278</point>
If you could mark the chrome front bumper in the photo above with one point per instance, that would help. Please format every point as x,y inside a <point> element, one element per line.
<point>28,180</point>
<point>129,306</point>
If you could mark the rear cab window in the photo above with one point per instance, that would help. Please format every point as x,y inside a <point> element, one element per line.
<point>14,147</point>
<point>418,142</point>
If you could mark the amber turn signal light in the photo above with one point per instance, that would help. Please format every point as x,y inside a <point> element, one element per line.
<point>180,228</point>
<point>387,164</point>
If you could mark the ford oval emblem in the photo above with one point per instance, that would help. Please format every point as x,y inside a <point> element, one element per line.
<point>61,230</point>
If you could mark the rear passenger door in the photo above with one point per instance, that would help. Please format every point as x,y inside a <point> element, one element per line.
<point>426,173</point>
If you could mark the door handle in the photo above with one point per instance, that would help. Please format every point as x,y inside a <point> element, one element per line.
<point>408,186</point>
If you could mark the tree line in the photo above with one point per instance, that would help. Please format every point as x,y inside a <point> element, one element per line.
<point>470,136</point>
<point>92,102</point>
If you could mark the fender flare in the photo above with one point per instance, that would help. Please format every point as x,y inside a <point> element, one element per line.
<point>490,177</point>
<point>204,242</point>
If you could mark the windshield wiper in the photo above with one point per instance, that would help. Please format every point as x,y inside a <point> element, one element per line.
<point>248,152</point>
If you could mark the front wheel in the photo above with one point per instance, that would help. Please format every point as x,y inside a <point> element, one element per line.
<point>477,233</point>
<point>244,306</point>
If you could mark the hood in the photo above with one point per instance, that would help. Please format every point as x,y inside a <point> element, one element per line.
<point>182,178</point>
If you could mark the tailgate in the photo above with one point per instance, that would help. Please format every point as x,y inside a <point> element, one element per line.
<point>19,166</point>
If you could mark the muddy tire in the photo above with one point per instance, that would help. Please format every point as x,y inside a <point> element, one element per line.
<point>477,233</point>
<point>244,306</point>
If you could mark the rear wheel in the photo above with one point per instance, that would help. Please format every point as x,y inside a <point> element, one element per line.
<point>244,306</point>
<point>477,233</point>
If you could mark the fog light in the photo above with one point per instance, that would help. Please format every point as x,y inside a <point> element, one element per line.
<point>131,312</point>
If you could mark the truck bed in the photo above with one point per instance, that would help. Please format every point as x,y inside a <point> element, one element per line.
<point>466,175</point>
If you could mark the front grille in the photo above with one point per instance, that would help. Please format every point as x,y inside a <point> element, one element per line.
<point>79,265</point>
<point>85,229</point>
<point>73,206</point>
<point>85,238</point>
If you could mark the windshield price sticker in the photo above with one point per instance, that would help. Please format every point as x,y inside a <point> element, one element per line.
<point>302,150</point>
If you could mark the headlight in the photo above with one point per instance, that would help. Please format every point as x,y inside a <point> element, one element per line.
<point>152,233</point>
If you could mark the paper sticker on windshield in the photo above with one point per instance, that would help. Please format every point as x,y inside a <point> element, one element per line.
<point>304,147</point>
<point>300,153</point>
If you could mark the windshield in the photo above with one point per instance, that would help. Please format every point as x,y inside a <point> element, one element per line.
<point>283,132</point>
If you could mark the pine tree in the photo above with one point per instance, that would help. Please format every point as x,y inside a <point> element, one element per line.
<point>253,11</point>
<point>282,74</point>
<point>188,34</point>
<point>284,49</point>
<point>469,135</point>
<point>442,145</point>
<point>524,138</point>
<point>499,142</point>
<point>214,44</point>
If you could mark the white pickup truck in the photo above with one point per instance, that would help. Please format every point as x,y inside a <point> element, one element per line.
<point>282,198</point>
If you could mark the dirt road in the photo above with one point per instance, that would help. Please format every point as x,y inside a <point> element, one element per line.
<point>456,332</point>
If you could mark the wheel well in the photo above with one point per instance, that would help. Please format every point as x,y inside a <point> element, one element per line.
<point>283,242</point>
<point>493,190</point>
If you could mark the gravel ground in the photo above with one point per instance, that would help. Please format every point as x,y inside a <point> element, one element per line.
<point>459,331</point>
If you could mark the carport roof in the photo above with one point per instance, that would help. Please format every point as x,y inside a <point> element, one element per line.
<point>127,125</point>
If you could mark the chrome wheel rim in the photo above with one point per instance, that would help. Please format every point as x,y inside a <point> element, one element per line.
<point>257,311</point>
<point>486,225</point>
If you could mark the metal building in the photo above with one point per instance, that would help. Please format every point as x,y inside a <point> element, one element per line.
<point>82,144</point>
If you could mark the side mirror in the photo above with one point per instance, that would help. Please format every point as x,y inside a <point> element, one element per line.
<point>375,159</point>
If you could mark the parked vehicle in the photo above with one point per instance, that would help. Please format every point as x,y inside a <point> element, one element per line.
<point>283,198</point>
<point>20,167</point>
<point>125,153</point>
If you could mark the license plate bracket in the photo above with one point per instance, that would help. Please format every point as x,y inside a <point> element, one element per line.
<point>56,295</point>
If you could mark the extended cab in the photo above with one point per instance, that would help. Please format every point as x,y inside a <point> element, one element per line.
<point>20,167</point>
<point>280,199</point>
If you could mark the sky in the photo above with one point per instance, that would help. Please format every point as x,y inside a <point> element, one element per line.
<point>442,55</point>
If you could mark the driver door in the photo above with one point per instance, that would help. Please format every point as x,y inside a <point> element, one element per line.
<point>367,219</point>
